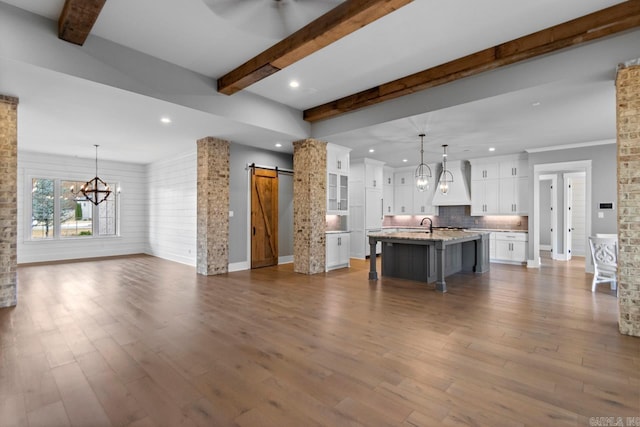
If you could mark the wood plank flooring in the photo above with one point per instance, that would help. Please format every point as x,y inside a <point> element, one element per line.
<point>140,341</point>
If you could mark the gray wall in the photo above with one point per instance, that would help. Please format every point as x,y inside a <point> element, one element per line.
<point>603,183</point>
<point>545,212</point>
<point>240,155</point>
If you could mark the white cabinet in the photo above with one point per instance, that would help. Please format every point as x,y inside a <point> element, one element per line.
<point>373,212</point>
<point>514,168</point>
<point>337,159</point>
<point>485,197</point>
<point>510,247</point>
<point>499,186</point>
<point>337,180</point>
<point>403,193</point>
<point>387,191</point>
<point>513,198</point>
<point>337,250</point>
<point>366,208</point>
<point>403,200</point>
<point>485,171</point>
<point>373,174</point>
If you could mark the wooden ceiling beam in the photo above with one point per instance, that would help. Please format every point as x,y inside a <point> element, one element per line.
<point>605,22</point>
<point>333,25</point>
<point>77,19</point>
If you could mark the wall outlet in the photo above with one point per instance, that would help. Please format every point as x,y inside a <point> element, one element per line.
<point>600,214</point>
<point>230,214</point>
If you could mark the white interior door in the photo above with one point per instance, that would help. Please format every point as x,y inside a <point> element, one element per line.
<point>578,216</point>
<point>568,223</point>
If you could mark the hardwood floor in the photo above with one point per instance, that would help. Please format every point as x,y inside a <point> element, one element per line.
<point>140,341</point>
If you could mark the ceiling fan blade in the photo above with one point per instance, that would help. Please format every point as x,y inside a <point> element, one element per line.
<point>270,18</point>
<point>234,11</point>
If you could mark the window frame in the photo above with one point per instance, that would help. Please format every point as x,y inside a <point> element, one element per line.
<point>57,223</point>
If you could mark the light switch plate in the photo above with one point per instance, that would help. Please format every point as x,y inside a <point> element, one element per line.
<point>600,214</point>
<point>230,214</point>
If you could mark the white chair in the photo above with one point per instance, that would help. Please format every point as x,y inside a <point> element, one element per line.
<point>608,236</point>
<point>604,253</point>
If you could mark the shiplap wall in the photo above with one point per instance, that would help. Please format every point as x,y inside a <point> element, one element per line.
<point>172,208</point>
<point>132,199</point>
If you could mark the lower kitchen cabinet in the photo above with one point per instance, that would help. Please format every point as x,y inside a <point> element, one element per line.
<point>509,247</point>
<point>337,250</point>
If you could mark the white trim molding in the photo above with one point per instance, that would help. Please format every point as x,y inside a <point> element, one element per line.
<point>570,146</point>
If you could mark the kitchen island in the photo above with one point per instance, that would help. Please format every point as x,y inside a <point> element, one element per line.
<point>430,256</point>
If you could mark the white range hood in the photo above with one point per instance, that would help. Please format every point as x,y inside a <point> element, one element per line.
<point>458,194</point>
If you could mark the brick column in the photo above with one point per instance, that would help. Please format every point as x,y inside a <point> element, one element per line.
<point>628,124</point>
<point>8,200</point>
<point>213,206</point>
<point>309,205</point>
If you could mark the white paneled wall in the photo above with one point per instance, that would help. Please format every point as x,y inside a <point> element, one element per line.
<point>172,208</point>
<point>132,199</point>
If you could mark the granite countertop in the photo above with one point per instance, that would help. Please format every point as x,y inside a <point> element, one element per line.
<point>417,227</point>
<point>499,230</point>
<point>337,231</point>
<point>436,235</point>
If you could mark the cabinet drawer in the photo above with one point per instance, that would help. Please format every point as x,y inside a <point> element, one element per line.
<point>518,237</point>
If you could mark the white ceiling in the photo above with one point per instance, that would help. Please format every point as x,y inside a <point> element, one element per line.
<point>67,115</point>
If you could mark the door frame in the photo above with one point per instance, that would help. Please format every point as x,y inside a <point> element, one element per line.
<point>546,168</point>
<point>554,201</point>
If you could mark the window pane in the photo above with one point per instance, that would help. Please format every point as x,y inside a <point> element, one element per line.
<point>42,205</point>
<point>107,214</point>
<point>75,211</point>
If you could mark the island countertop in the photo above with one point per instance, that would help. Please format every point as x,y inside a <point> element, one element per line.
<point>435,236</point>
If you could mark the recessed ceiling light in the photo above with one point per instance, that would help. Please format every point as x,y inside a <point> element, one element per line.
<point>535,104</point>
<point>294,84</point>
<point>405,160</point>
<point>165,120</point>
<point>371,150</point>
<point>278,145</point>
<point>492,149</point>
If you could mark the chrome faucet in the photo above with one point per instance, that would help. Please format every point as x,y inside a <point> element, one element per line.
<point>430,223</point>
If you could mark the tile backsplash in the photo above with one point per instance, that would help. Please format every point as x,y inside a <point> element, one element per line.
<point>336,222</point>
<point>459,216</point>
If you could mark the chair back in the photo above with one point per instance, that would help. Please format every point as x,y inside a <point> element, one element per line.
<point>604,251</point>
<point>610,236</point>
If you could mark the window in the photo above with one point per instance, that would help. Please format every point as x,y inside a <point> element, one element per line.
<point>42,208</point>
<point>72,215</point>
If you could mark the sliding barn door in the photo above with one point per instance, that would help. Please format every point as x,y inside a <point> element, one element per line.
<point>264,218</point>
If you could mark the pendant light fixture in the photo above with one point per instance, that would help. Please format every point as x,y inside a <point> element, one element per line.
<point>96,190</point>
<point>423,172</point>
<point>446,177</point>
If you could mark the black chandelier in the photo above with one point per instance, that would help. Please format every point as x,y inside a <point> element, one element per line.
<point>95,190</point>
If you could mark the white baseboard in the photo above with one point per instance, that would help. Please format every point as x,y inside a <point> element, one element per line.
<point>545,247</point>
<point>533,263</point>
<point>560,257</point>
<point>239,266</point>
<point>287,259</point>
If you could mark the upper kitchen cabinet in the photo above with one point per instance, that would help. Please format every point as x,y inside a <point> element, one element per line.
<point>513,196</point>
<point>337,159</point>
<point>499,186</point>
<point>403,192</point>
<point>485,199</point>
<point>387,190</point>
<point>482,171</point>
<point>373,174</point>
<point>337,179</point>
<point>514,168</point>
